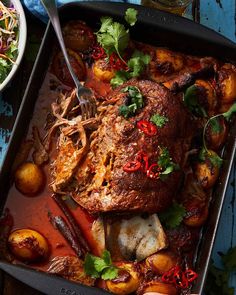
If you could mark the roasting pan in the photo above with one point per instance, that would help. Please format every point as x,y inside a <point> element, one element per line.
<point>153,27</point>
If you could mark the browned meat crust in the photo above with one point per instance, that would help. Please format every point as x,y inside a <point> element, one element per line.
<point>104,185</point>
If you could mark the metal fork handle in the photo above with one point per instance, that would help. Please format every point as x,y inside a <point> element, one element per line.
<point>51,8</point>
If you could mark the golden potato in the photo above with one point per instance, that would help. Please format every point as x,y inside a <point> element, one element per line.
<point>60,69</point>
<point>209,94</point>
<point>160,287</point>
<point>128,280</point>
<point>216,133</point>
<point>207,173</point>
<point>196,212</point>
<point>103,71</point>
<point>28,245</point>
<point>165,57</point>
<point>162,261</point>
<point>78,36</point>
<point>227,83</point>
<point>29,178</point>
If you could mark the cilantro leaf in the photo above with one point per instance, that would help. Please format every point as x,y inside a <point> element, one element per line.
<point>131,16</point>
<point>112,36</point>
<point>212,156</point>
<point>136,102</point>
<point>4,69</point>
<point>191,101</point>
<point>137,63</point>
<point>216,127</point>
<point>119,78</point>
<point>173,216</point>
<point>110,273</point>
<point>229,113</point>
<point>97,267</point>
<point>106,22</point>
<point>159,120</point>
<point>165,162</point>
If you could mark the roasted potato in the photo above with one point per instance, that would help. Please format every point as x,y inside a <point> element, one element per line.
<point>128,280</point>
<point>207,93</point>
<point>216,133</point>
<point>162,261</point>
<point>103,71</point>
<point>28,245</point>
<point>78,36</point>
<point>60,69</point>
<point>159,287</point>
<point>207,172</point>
<point>29,178</point>
<point>172,62</point>
<point>196,212</point>
<point>227,83</point>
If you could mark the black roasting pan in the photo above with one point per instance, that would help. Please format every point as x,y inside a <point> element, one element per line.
<point>153,27</point>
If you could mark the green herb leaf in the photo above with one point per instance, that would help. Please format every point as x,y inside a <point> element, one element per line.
<point>137,63</point>
<point>166,163</point>
<point>112,36</point>
<point>136,99</point>
<point>131,16</point>
<point>191,101</point>
<point>229,113</point>
<point>212,156</point>
<point>4,69</point>
<point>106,22</point>
<point>159,120</point>
<point>110,273</point>
<point>97,267</point>
<point>119,78</point>
<point>216,127</point>
<point>173,216</point>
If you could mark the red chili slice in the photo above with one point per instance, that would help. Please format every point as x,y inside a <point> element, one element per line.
<point>132,166</point>
<point>142,157</point>
<point>169,276</point>
<point>98,52</point>
<point>154,171</point>
<point>180,280</point>
<point>147,127</point>
<point>190,275</point>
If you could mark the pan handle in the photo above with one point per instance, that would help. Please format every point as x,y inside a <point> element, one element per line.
<point>48,284</point>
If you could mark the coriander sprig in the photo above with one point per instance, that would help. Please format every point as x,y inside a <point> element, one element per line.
<point>100,267</point>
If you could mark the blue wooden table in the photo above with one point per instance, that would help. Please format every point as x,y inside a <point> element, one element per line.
<point>220,15</point>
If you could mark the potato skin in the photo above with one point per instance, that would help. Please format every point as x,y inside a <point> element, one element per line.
<point>160,287</point>
<point>128,286</point>
<point>29,178</point>
<point>227,83</point>
<point>207,173</point>
<point>196,213</point>
<point>216,139</point>
<point>103,71</point>
<point>78,36</point>
<point>162,261</point>
<point>28,245</point>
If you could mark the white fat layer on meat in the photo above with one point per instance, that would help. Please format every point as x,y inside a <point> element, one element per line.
<point>135,238</point>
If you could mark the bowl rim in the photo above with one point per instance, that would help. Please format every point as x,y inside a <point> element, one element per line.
<point>21,42</point>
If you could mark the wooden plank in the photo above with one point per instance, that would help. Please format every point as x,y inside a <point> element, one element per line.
<point>220,16</point>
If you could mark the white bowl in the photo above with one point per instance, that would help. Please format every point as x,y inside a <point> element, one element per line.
<point>21,42</point>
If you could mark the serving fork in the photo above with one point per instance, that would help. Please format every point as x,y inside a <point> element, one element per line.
<point>84,94</point>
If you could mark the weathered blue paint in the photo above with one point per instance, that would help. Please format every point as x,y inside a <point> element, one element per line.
<point>220,16</point>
